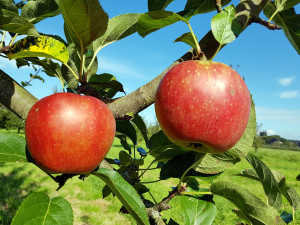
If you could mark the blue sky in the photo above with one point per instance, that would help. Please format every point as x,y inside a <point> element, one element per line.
<point>266,60</point>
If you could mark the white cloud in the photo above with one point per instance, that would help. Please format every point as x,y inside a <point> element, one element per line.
<point>286,81</point>
<point>289,94</point>
<point>11,64</point>
<point>270,132</point>
<point>117,68</point>
<point>4,63</point>
<point>278,115</point>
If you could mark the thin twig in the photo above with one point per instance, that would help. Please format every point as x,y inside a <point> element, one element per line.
<point>270,26</point>
<point>219,5</point>
<point>154,212</point>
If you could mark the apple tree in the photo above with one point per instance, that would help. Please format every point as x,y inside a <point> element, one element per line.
<point>73,60</point>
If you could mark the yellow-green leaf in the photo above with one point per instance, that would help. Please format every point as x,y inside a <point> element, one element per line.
<point>43,46</point>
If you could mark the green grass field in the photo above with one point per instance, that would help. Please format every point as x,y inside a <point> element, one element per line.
<point>19,180</point>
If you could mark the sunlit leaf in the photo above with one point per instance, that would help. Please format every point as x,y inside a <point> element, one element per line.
<point>267,179</point>
<point>253,207</point>
<point>125,193</point>
<point>285,4</point>
<point>155,20</point>
<point>188,39</point>
<point>38,208</point>
<point>12,148</point>
<point>225,27</point>
<point>118,28</point>
<point>43,46</point>
<point>35,11</point>
<point>288,192</point>
<point>12,22</point>
<point>85,21</point>
<point>196,211</point>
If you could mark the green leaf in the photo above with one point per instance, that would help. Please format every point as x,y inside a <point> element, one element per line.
<point>139,122</point>
<point>51,68</point>
<point>203,6</point>
<point>125,158</point>
<point>125,193</point>
<point>12,148</point>
<point>288,20</point>
<point>106,84</point>
<point>196,211</point>
<point>22,62</point>
<point>124,142</point>
<point>37,77</point>
<point>106,191</point>
<point>188,39</point>
<point>38,208</point>
<point>43,46</point>
<point>288,192</point>
<point>216,163</point>
<point>225,27</point>
<point>154,5</point>
<point>285,4</point>
<point>140,188</point>
<point>171,168</point>
<point>258,212</point>
<point>162,149</point>
<point>126,128</point>
<point>118,28</point>
<point>74,64</point>
<point>268,181</point>
<point>85,21</point>
<point>12,22</point>
<point>36,11</point>
<point>155,20</point>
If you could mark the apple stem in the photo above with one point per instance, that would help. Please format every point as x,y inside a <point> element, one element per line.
<point>197,162</point>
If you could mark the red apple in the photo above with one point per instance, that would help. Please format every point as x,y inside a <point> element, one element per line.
<point>69,133</point>
<point>203,106</point>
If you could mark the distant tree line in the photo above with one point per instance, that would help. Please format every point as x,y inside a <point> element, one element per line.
<point>9,120</point>
<point>274,141</point>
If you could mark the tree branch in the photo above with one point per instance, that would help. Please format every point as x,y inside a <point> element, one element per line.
<point>270,26</point>
<point>15,97</point>
<point>154,212</point>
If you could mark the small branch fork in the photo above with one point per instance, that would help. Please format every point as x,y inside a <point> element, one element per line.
<point>270,26</point>
<point>154,212</point>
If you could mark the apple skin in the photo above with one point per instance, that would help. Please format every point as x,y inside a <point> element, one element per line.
<point>203,106</point>
<point>69,133</point>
